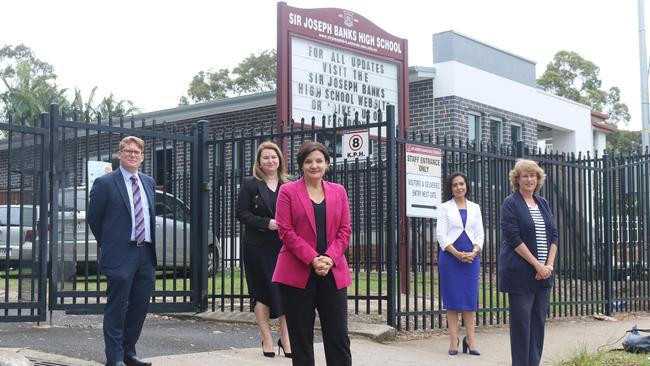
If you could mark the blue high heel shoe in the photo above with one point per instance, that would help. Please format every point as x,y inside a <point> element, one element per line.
<point>473,352</point>
<point>454,352</point>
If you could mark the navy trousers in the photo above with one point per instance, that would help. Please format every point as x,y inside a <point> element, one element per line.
<point>129,289</point>
<point>527,318</point>
<point>332,305</point>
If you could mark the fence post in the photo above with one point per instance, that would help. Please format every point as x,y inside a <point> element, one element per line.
<point>519,151</point>
<point>53,213</point>
<point>607,225</point>
<point>391,209</point>
<point>43,215</point>
<point>199,218</point>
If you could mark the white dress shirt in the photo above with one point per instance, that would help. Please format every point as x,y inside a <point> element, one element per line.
<point>145,204</point>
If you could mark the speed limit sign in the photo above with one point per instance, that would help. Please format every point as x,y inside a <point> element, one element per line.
<point>355,145</point>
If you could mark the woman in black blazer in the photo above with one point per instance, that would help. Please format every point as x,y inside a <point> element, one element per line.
<point>528,250</point>
<point>256,210</point>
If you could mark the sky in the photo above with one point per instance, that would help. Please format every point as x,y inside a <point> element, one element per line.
<point>148,51</point>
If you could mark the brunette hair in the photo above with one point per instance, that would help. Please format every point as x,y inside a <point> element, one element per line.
<point>309,147</point>
<point>447,192</point>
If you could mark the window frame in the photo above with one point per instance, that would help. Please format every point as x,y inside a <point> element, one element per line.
<point>475,137</point>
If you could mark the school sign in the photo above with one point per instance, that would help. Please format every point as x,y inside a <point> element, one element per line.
<point>333,62</point>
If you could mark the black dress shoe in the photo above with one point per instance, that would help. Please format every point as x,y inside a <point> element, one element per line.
<point>119,363</point>
<point>135,361</point>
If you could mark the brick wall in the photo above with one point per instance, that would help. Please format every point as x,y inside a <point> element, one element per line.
<point>451,120</point>
<point>421,111</point>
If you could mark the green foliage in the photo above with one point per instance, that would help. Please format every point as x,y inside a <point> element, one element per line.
<point>29,84</point>
<point>254,74</point>
<point>623,141</point>
<point>84,109</point>
<point>29,87</point>
<point>617,110</point>
<point>110,107</point>
<point>571,76</point>
<point>208,85</point>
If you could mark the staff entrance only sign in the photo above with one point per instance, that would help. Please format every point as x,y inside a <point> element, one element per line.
<point>423,174</point>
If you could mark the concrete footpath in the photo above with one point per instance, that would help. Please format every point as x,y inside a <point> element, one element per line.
<point>563,339</point>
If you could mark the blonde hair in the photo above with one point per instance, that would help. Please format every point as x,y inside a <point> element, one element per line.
<point>257,167</point>
<point>525,165</point>
<point>132,140</point>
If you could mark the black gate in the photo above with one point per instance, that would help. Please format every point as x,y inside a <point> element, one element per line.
<point>82,150</point>
<point>23,201</point>
<point>48,257</point>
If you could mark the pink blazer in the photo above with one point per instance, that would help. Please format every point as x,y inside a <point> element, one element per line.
<point>297,228</point>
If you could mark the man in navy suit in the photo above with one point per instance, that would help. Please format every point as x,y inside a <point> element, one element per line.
<point>121,216</point>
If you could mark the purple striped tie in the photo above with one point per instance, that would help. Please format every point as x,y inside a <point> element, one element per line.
<point>137,207</point>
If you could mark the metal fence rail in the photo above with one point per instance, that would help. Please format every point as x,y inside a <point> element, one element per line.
<point>23,275</point>
<point>231,158</point>
<point>601,206</point>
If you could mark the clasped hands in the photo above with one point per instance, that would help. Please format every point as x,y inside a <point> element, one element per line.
<point>322,265</point>
<point>544,271</point>
<point>466,257</point>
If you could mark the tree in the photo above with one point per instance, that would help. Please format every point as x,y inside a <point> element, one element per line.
<point>571,76</point>
<point>30,87</point>
<point>29,84</point>
<point>624,141</point>
<point>85,110</point>
<point>617,110</point>
<point>208,85</point>
<point>254,74</point>
<point>110,107</point>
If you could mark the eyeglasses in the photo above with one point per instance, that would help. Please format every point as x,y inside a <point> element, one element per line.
<point>132,152</point>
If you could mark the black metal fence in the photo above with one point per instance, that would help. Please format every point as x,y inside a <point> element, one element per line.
<point>601,208</point>
<point>23,276</point>
<point>601,205</point>
<point>231,157</point>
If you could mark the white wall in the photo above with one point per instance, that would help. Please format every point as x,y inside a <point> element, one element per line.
<point>570,121</point>
<point>600,141</point>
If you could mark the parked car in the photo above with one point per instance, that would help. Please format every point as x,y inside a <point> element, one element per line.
<point>16,222</point>
<point>78,244</point>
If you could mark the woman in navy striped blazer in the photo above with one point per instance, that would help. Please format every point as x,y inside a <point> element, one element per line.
<point>528,250</point>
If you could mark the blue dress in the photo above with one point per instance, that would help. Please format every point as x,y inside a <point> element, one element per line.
<point>458,280</point>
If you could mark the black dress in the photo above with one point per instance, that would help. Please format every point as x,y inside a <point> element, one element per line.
<point>255,208</point>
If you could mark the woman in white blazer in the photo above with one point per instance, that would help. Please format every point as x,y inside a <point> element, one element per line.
<point>460,235</point>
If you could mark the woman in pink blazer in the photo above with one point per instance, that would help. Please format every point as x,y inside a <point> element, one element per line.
<point>313,218</point>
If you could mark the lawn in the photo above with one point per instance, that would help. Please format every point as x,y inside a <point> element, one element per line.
<point>232,282</point>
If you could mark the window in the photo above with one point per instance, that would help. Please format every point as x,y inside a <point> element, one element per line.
<point>474,129</point>
<point>164,168</point>
<point>496,132</point>
<point>515,133</point>
<point>171,207</point>
<point>15,219</point>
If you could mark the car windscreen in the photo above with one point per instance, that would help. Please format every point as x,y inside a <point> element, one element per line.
<point>12,215</point>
